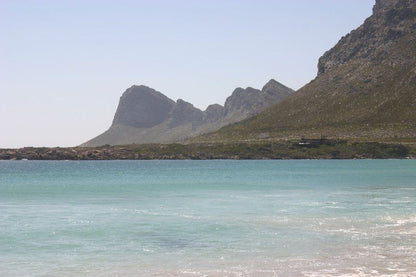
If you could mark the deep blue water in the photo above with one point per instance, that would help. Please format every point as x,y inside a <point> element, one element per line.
<point>208,218</point>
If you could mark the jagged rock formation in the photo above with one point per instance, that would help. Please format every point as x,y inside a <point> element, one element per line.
<point>365,88</point>
<point>145,115</point>
<point>392,19</point>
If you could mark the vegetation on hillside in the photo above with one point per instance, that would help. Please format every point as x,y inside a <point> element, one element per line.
<point>335,149</point>
<point>365,89</point>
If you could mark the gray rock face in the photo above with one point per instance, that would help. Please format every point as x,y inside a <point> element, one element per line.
<point>252,101</point>
<point>185,112</point>
<point>145,115</point>
<point>392,20</point>
<point>214,112</point>
<point>141,106</point>
<point>243,100</point>
<point>274,91</point>
<point>384,5</point>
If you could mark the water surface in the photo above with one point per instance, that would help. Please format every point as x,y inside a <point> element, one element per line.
<point>208,218</point>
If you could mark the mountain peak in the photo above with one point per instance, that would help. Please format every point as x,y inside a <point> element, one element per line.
<point>272,82</point>
<point>145,115</point>
<point>275,86</point>
<point>142,89</point>
<point>365,86</point>
<point>142,107</point>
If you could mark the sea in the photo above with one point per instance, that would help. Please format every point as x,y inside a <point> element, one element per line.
<point>208,218</point>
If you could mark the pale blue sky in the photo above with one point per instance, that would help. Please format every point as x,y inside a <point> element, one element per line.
<point>64,64</point>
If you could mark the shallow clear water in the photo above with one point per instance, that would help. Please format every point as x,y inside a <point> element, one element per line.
<point>208,218</point>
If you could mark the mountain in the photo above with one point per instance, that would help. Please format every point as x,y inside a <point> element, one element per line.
<point>145,115</point>
<point>365,87</point>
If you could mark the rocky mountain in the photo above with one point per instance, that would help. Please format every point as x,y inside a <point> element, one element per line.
<point>145,115</point>
<point>365,87</point>
<point>142,107</point>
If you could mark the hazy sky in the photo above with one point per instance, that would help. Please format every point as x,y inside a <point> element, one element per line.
<point>64,64</point>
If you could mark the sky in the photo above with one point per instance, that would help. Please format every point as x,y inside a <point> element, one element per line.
<point>64,64</point>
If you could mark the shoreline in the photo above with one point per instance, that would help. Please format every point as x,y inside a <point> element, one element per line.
<point>281,150</point>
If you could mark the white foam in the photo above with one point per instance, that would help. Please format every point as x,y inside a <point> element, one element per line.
<point>403,221</point>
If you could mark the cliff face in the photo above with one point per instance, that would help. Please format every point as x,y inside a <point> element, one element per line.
<point>214,113</point>
<point>391,20</point>
<point>365,87</point>
<point>184,113</point>
<point>242,100</point>
<point>251,101</point>
<point>145,115</point>
<point>142,107</point>
<point>383,6</point>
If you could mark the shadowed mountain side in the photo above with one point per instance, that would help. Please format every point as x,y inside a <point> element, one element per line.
<point>142,107</point>
<point>145,115</point>
<point>365,88</point>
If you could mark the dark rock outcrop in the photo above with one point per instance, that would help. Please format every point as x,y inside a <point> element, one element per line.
<point>392,19</point>
<point>382,6</point>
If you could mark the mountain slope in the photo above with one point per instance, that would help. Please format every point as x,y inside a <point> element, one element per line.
<point>145,115</point>
<point>366,86</point>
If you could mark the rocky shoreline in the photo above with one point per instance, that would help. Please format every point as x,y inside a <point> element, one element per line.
<point>266,150</point>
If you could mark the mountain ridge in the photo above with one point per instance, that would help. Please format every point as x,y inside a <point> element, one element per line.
<point>145,115</point>
<point>365,86</point>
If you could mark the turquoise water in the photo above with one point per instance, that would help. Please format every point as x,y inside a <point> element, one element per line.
<point>208,218</point>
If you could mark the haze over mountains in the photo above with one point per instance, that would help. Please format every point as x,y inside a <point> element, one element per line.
<point>365,88</point>
<point>145,115</point>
